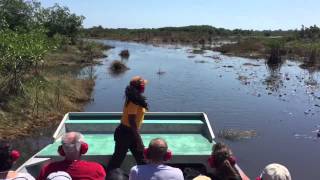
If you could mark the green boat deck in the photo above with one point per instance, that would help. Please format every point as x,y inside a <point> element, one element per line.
<point>189,136</point>
<point>146,121</point>
<point>103,144</point>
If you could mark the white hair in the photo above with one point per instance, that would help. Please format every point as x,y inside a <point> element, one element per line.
<point>71,141</point>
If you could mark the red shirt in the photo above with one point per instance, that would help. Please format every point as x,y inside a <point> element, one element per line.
<point>78,170</point>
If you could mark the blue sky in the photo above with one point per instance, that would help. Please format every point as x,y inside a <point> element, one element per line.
<point>231,14</point>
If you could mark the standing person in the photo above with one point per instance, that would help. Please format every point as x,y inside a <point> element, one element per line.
<point>72,148</point>
<point>7,158</point>
<point>156,154</point>
<point>126,135</point>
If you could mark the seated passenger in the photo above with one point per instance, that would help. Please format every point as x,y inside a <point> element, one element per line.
<point>224,164</point>
<point>275,172</point>
<point>7,158</point>
<point>72,148</point>
<point>156,154</point>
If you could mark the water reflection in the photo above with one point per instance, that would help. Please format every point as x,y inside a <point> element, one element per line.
<point>88,72</point>
<point>311,81</point>
<point>274,80</point>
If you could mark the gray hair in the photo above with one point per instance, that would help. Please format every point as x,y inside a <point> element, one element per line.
<point>71,141</point>
<point>157,149</point>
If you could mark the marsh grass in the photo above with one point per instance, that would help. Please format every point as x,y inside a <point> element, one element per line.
<point>275,50</point>
<point>117,67</point>
<point>47,96</point>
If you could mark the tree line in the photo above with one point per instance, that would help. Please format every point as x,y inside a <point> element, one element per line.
<point>203,33</point>
<point>27,32</point>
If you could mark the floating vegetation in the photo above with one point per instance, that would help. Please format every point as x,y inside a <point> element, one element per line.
<point>118,67</point>
<point>125,53</point>
<point>197,51</point>
<point>244,79</point>
<point>191,56</point>
<point>313,60</point>
<point>227,66</point>
<point>250,64</point>
<point>200,61</point>
<point>213,57</point>
<point>160,72</point>
<point>276,50</point>
<point>233,134</point>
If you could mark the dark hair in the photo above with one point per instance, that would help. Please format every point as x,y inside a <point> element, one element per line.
<point>155,151</point>
<point>225,170</point>
<point>5,159</point>
<point>133,95</point>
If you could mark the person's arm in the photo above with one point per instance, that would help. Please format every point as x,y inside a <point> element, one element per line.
<point>242,174</point>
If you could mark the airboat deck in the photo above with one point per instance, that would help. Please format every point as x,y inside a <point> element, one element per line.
<point>189,136</point>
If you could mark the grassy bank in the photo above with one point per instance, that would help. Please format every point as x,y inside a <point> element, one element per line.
<point>57,89</point>
<point>304,50</point>
<point>302,44</point>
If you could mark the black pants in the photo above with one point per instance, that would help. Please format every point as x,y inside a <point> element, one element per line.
<point>124,140</point>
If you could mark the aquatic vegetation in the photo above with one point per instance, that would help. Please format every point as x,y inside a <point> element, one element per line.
<point>312,61</point>
<point>215,57</point>
<point>250,64</point>
<point>200,61</point>
<point>118,67</point>
<point>197,51</point>
<point>160,72</point>
<point>275,52</point>
<point>124,53</point>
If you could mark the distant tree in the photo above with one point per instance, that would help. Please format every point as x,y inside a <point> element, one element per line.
<point>20,53</point>
<point>59,20</point>
<point>302,31</point>
<point>267,33</point>
<point>19,15</point>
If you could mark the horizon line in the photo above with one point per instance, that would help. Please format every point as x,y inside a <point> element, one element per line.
<point>201,25</point>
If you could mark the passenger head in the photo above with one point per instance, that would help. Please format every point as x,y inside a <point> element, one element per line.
<point>73,146</point>
<point>220,153</point>
<point>157,152</point>
<point>7,156</point>
<point>224,162</point>
<point>275,172</point>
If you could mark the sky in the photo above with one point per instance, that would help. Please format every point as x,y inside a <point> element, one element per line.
<point>230,14</point>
